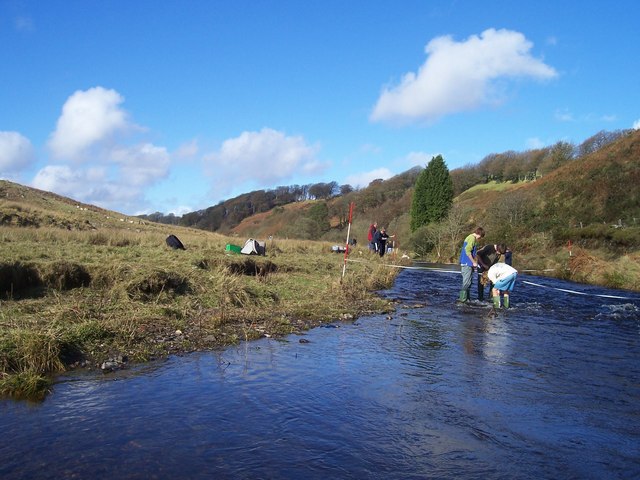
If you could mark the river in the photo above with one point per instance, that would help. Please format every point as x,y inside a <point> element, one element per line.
<point>547,389</point>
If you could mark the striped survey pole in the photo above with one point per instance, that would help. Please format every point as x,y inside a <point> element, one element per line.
<point>346,249</point>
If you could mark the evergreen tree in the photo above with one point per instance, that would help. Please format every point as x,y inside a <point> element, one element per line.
<point>433,194</point>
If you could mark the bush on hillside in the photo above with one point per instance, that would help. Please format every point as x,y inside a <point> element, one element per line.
<point>600,236</point>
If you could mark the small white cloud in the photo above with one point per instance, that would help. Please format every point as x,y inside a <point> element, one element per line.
<point>16,152</point>
<point>370,148</point>
<point>263,158</point>
<point>361,180</point>
<point>459,76</point>
<point>636,125</point>
<point>564,116</point>
<point>181,210</point>
<point>534,143</point>
<point>187,150</point>
<point>420,159</point>
<point>88,118</point>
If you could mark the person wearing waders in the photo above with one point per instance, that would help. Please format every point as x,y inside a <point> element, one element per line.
<point>487,256</point>
<point>503,277</point>
<point>468,262</point>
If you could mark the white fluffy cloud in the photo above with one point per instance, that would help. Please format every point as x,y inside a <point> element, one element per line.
<point>142,165</point>
<point>91,185</point>
<point>459,76</point>
<point>95,164</point>
<point>263,158</point>
<point>16,152</point>
<point>361,180</point>
<point>636,125</point>
<point>118,184</point>
<point>70,182</point>
<point>88,118</point>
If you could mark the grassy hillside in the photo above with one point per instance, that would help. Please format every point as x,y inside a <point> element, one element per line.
<point>29,207</point>
<point>82,287</point>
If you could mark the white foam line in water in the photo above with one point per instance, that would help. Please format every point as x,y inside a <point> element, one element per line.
<point>575,292</point>
<point>410,268</point>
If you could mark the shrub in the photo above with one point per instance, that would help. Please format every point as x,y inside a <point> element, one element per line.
<point>156,283</point>
<point>65,276</point>
<point>16,278</point>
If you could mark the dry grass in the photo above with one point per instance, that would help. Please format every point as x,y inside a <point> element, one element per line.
<point>76,298</point>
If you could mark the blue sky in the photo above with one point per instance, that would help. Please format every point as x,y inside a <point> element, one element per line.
<point>144,105</point>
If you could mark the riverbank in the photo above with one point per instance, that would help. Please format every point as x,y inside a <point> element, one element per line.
<point>587,266</point>
<point>96,300</point>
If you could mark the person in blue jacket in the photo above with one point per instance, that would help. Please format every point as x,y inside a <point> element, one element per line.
<point>468,262</point>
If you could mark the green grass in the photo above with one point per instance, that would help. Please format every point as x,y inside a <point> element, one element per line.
<point>77,298</point>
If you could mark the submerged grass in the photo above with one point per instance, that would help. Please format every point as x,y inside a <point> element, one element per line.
<point>73,299</point>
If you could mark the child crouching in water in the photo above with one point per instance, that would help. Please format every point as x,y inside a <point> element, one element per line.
<point>503,277</point>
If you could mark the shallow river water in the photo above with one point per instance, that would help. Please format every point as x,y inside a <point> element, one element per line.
<point>548,389</point>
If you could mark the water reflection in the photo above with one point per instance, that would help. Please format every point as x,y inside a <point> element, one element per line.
<point>548,389</point>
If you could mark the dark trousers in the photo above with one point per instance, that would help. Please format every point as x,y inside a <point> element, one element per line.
<point>481,288</point>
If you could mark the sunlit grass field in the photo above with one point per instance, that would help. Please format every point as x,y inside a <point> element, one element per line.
<point>77,298</point>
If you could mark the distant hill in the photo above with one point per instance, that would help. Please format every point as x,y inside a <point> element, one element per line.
<point>550,190</point>
<point>29,207</point>
<point>600,186</point>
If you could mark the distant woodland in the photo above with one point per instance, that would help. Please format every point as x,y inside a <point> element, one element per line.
<point>594,182</point>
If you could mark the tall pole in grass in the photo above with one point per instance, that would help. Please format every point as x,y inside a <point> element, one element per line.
<point>346,249</point>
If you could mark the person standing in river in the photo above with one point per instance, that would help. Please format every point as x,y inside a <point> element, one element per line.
<point>468,262</point>
<point>503,277</point>
<point>487,256</point>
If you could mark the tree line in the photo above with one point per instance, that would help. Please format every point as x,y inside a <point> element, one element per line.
<point>515,167</point>
<point>387,200</point>
<point>229,213</point>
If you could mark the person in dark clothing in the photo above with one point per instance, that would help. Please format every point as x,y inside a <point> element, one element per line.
<point>487,256</point>
<point>381,238</point>
<point>371,236</point>
<point>508,256</point>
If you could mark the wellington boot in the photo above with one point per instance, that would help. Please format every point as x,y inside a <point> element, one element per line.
<point>496,301</point>
<point>506,301</point>
<point>464,296</point>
